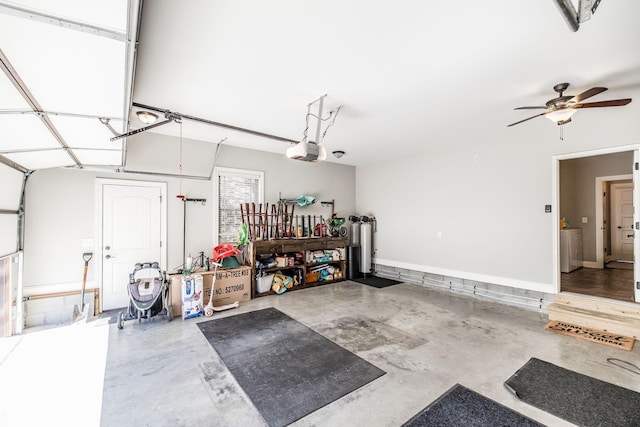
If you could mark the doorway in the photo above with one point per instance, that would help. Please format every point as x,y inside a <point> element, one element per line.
<point>605,222</point>
<point>131,229</point>
<point>621,229</point>
<point>596,195</point>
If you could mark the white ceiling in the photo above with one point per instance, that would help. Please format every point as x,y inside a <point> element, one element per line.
<point>410,75</point>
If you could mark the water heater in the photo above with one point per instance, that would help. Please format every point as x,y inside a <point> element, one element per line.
<point>366,244</point>
<point>354,235</point>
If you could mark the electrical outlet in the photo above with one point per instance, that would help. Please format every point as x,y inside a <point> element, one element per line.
<point>585,220</point>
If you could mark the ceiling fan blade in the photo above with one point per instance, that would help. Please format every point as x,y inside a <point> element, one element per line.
<point>532,117</point>
<point>588,94</point>
<point>530,108</point>
<point>612,103</point>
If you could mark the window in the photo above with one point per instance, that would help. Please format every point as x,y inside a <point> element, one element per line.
<point>233,187</point>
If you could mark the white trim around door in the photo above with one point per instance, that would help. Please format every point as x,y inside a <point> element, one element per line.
<point>555,197</point>
<point>600,215</point>
<point>100,184</point>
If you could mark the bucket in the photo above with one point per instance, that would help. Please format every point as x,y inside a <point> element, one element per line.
<point>263,283</point>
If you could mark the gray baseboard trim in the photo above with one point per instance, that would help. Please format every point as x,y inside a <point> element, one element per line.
<point>534,300</point>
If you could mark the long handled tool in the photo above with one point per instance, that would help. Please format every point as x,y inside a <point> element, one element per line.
<point>249,225</point>
<point>81,314</point>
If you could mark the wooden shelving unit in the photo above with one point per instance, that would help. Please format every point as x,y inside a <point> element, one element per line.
<point>299,245</point>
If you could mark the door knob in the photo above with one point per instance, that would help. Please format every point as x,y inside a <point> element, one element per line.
<point>109,256</point>
<point>629,235</point>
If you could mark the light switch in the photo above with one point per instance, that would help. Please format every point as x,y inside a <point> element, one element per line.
<point>584,220</point>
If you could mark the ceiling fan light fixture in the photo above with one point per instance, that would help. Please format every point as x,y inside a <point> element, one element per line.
<point>562,115</point>
<point>338,153</point>
<point>147,117</point>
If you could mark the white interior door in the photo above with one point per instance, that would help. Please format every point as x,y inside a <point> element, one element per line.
<point>131,233</point>
<point>606,225</point>
<point>622,212</point>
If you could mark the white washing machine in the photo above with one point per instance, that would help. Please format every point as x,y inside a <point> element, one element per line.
<point>570,250</point>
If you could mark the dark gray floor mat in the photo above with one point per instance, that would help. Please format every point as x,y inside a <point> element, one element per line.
<point>287,369</point>
<point>460,406</point>
<point>577,398</point>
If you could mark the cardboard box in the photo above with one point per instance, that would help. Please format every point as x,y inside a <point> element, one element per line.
<point>192,296</point>
<point>232,284</point>
<point>311,277</point>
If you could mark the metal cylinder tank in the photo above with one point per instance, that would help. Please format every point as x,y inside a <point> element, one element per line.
<point>354,235</point>
<point>353,262</point>
<point>366,247</point>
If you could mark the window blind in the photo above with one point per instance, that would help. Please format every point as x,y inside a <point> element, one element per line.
<point>233,189</point>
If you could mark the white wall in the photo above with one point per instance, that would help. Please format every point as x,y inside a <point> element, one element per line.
<point>60,211</point>
<point>292,178</point>
<point>485,197</point>
<point>61,204</point>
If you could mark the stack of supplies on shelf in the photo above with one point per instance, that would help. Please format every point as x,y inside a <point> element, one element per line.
<point>323,272</point>
<point>318,256</point>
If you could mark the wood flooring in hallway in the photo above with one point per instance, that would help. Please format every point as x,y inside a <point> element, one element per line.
<point>610,283</point>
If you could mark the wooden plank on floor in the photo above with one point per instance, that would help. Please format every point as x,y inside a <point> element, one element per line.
<point>620,308</point>
<point>597,320</point>
<point>594,335</point>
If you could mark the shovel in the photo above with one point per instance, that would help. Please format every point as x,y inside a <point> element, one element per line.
<point>81,314</point>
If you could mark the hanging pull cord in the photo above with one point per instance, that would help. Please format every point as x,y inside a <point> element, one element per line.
<point>624,365</point>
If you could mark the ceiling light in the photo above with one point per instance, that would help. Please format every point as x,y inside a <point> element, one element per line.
<point>147,117</point>
<point>338,153</point>
<point>559,116</point>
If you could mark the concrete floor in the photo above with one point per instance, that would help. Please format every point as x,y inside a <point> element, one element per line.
<point>162,373</point>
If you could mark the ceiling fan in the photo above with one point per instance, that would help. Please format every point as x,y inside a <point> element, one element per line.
<point>561,108</point>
